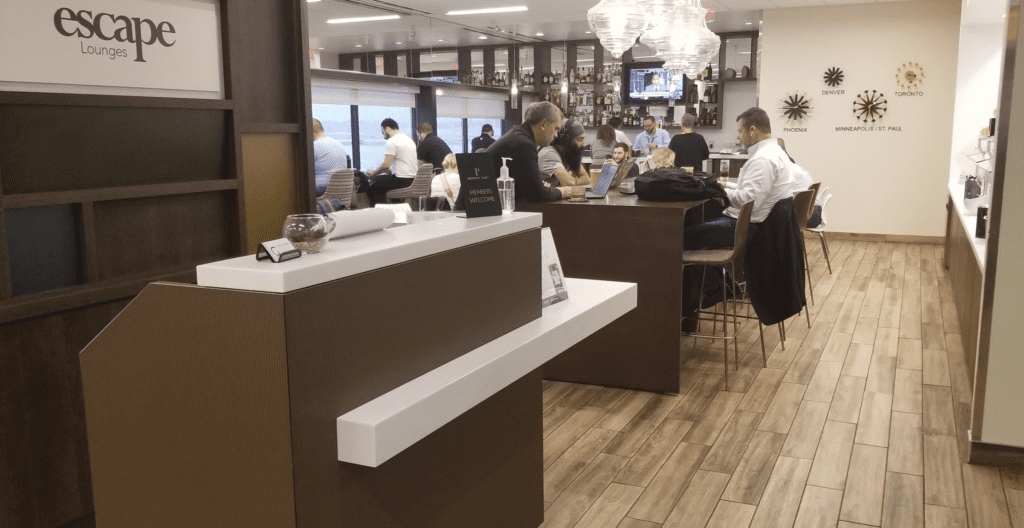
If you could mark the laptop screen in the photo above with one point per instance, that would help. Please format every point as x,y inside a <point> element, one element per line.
<point>607,175</point>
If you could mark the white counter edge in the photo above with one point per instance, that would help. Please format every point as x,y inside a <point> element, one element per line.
<point>969,221</point>
<point>380,429</point>
<point>350,256</point>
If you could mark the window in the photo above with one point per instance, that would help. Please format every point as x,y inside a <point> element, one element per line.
<point>474,126</point>
<point>450,130</point>
<point>371,141</point>
<point>337,122</point>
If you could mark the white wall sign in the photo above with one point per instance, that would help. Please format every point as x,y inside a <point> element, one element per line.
<point>123,47</point>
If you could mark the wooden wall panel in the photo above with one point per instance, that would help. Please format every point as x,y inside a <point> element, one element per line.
<point>265,68</point>
<point>268,165</point>
<point>166,232</point>
<point>44,463</point>
<point>61,148</point>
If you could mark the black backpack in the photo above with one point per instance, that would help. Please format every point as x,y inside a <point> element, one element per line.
<point>670,184</point>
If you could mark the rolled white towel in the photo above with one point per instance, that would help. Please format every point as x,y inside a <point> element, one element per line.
<point>349,223</point>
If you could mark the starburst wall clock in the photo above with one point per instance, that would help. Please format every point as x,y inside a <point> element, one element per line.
<point>795,107</point>
<point>833,77</point>
<point>910,75</point>
<point>869,106</point>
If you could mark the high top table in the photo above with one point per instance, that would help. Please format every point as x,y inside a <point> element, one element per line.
<point>622,238</point>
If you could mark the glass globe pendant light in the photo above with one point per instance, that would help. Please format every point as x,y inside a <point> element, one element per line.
<point>683,39</point>
<point>617,23</point>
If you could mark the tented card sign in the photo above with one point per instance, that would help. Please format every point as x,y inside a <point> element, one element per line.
<point>130,47</point>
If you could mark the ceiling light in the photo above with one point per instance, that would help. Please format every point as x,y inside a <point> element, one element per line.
<point>540,34</point>
<point>750,23</point>
<point>318,1</point>
<point>362,19</point>
<point>440,40</point>
<point>588,32</point>
<point>311,1</point>
<point>359,45</point>
<point>483,37</point>
<point>488,10</point>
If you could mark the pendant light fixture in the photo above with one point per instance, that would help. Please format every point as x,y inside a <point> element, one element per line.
<point>617,23</point>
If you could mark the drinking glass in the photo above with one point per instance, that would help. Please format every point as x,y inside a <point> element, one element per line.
<point>579,194</point>
<point>723,171</point>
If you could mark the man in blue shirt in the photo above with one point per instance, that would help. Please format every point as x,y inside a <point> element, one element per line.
<point>328,155</point>
<point>651,138</point>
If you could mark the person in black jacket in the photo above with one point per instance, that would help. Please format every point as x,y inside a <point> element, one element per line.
<point>431,149</point>
<point>690,148</point>
<point>486,138</point>
<point>540,124</point>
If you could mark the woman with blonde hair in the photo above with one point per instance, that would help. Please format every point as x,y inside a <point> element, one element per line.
<point>447,184</point>
<point>662,157</point>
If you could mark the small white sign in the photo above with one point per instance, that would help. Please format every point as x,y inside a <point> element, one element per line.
<point>553,288</point>
<point>155,47</point>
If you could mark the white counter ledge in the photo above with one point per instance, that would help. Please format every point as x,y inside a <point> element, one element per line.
<point>349,256</point>
<point>380,429</point>
<point>970,222</point>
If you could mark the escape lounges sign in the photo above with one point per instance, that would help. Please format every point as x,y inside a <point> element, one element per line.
<point>154,44</point>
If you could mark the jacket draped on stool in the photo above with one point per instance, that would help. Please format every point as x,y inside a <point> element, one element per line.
<point>774,266</point>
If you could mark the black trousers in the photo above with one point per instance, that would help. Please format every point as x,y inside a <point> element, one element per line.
<point>381,184</point>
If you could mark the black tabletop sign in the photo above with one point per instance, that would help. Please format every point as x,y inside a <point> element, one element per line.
<point>479,185</point>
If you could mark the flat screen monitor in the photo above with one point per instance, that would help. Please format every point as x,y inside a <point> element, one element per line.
<point>651,84</point>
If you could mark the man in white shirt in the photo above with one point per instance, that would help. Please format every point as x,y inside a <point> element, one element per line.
<point>399,167</point>
<point>765,178</point>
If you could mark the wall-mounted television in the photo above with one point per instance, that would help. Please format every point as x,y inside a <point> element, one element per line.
<point>647,83</point>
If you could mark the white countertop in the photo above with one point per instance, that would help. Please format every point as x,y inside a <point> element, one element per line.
<point>970,222</point>
<point>728,156</point>
<point>380,429</point>
<point>349,256</point>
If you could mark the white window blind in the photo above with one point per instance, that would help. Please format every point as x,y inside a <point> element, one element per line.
<point>465,104</point>
<point>327,91</point>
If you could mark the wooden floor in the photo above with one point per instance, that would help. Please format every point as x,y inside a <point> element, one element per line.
<point>853,424</point>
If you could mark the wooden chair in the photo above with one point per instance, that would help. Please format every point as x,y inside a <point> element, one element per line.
<point>730,260</point>
<point>340,186</point>
<point>820,228</point>
<point>420,185</point>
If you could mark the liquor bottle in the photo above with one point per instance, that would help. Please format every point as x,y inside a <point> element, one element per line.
<point>714,117</point>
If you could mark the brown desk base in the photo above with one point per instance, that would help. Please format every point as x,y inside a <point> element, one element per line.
<point>620,238</point>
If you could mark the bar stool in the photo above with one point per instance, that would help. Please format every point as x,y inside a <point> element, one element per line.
<point>727,259</point>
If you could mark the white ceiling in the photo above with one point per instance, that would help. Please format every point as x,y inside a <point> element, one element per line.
<point>423,23</point>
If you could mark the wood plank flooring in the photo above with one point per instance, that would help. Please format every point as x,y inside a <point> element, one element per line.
<point>851,425</point>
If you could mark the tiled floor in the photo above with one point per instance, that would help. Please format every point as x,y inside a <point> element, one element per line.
<point>853,424</point>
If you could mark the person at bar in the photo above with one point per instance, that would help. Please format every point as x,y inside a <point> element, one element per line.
<point>690,148</point>
<point>561,163</point>
<point>802,181</point>
<point>328,156</point>
<point>620,136</point>
<point>431,149</point>
<point>661,158</point>
<point>540,124</point>
<point>485,139</point>
<point>651,138</point>
<point>765,178</point>
<point>399,167</point>
<point>604,144</point>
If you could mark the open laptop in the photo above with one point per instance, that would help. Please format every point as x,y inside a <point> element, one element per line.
<point>611,177</point>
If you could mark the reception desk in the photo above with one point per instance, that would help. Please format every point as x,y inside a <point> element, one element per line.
<point>392,380</point>
<point>621,238</point>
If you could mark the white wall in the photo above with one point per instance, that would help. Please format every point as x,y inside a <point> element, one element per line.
<point>1004,393</point>
<point>977,88</point>
<point>739,96</point>
<point>891,182</point>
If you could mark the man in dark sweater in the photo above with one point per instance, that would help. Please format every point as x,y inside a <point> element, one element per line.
<point>540,123</point>
<point>431,149</point>
<point>690,148</point>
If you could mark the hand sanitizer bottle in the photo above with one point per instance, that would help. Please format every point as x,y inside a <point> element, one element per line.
<point>506,189</point>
